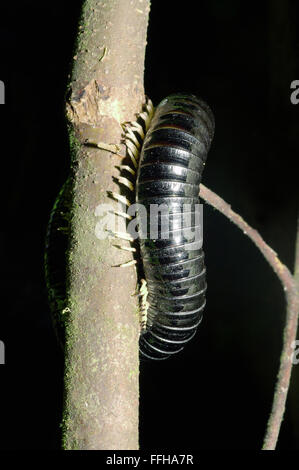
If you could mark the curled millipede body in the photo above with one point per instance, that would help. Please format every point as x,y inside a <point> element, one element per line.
<point>171,162</point>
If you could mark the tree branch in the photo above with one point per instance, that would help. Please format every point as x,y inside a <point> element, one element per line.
<point>284,374</point>
<point>292,298</point>
<point>102,327</point>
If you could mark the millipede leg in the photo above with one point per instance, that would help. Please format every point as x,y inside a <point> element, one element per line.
<point>126,248</point>
<point>144,305</point>
<point>122,214</point>
<point>127,264</point>
<point>119,198</point>
<point>126,182</point>
<point>127,168</point>
<point>121,235</point>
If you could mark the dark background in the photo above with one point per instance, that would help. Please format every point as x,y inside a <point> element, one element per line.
<point>217,394</point>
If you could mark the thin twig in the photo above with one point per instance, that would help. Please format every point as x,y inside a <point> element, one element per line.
<point>292,298</point>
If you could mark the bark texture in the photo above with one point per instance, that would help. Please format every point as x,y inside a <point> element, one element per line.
<point>102,326</point>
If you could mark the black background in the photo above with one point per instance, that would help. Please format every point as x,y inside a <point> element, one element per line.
<point>241,59</point>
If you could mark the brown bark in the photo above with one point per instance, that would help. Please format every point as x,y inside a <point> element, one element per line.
<point>101,366</point>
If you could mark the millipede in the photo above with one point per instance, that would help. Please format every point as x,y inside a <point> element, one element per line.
<point>168,149</point>
<point>169,167</point>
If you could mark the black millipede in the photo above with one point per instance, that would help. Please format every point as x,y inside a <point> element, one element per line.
<point>170,167</point>
<point>167,167</point>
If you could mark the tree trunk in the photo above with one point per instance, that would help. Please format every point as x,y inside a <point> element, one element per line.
<point>102,329</point>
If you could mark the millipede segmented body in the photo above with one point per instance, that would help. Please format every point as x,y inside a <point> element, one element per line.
<point>56,244</point>
<point>172,159</point>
